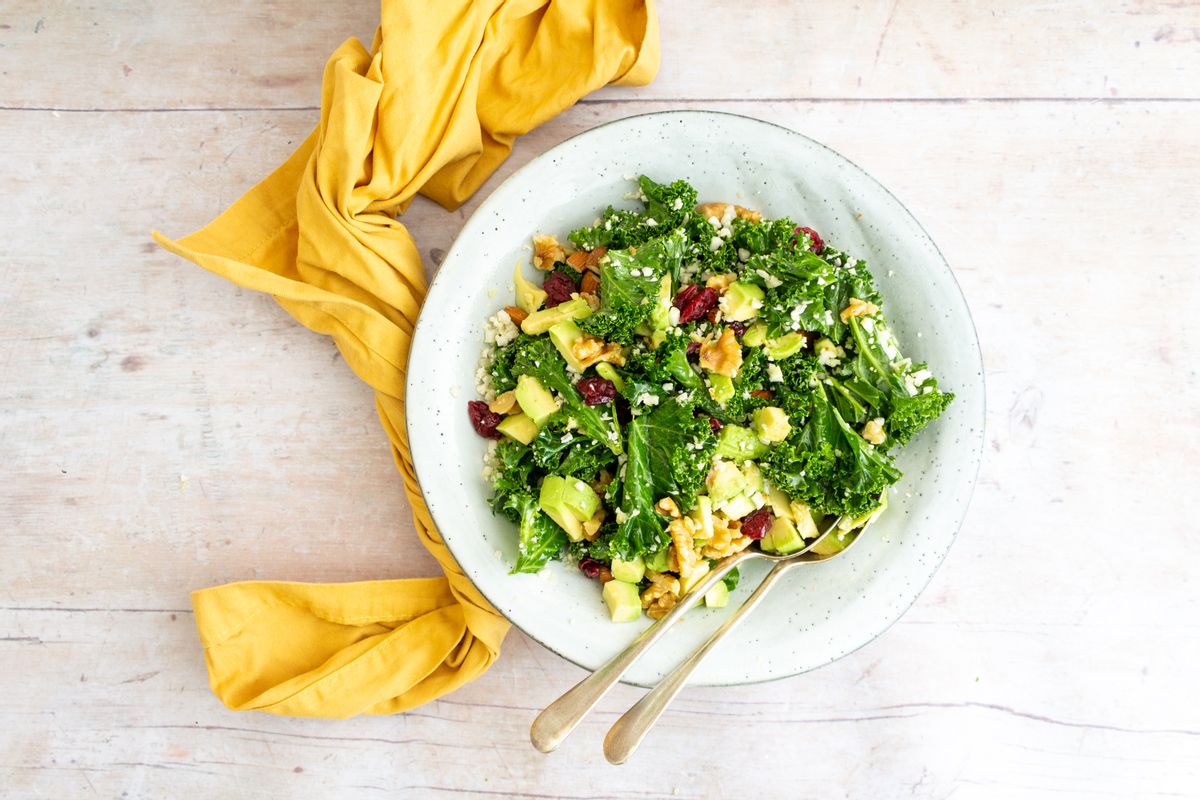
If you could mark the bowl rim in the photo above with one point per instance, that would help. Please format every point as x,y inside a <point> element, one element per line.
<point>423,323</point>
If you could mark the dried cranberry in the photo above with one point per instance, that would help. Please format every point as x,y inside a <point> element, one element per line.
<point>596,391</point>
<point>697,305</point>
<point>685,295</point>
<point>818,244</point>
<point>483,419</point>
<point>693,348</point>
<point>738,327</point>
<point>558,288</point>
<point>590,566</point>
<point>715,424</point>
<point>758,523</point>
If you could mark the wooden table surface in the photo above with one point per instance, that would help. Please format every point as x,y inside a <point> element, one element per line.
<point>161,430</point>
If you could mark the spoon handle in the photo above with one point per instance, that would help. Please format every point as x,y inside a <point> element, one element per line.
<point>559,718</point>
<point>628,731</point>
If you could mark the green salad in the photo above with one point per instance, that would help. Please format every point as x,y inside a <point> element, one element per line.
<point>683,381</point>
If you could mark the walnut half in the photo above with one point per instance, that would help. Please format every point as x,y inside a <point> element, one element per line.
<point>547,252</point>
<point>660,596</point>
<point>858,308</point>
<point>589,350</point>
<point>723,355</point>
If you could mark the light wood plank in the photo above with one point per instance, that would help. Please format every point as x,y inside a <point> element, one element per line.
<point>179,54</point>
<point>1046,660</point>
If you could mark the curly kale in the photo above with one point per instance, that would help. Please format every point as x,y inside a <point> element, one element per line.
<point>828,465</point>
<point>540,539</point>
<point>630,284</point>
<point>665,206</point>
<point>542,360</point>
<point>515,466</point>
<point>561,451</point>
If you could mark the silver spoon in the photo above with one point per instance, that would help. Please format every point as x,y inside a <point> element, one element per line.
<point>628,731</point>
<point>558,719</point>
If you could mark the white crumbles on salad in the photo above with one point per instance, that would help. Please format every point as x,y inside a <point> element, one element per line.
<point>683,382</point>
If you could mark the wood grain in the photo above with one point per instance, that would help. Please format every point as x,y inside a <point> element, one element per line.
<point>163,431</point>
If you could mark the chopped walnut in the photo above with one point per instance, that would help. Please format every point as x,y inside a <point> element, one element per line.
<point>667,508</point>
<point>590,283</point>
<point>589,350</point>
<point>547,252</point>
<point>660,596</point>
<point>600,485</point>
<point>726,539</point>
<point>721,282</point>
<point>858,308</point>
<point>591,528</point>
<point>873,431</point>
<point>722,356</point>
<point>591,299</point>
<point>517,315</point>
<point>717,210</point>
<point>682,531</point>
<point>504,404</point>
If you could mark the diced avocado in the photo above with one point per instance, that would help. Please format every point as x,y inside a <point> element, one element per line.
<point>741,301</point>
<point>564,334</point>
<point>547,318</point>
<point>717,596</point>
<point>779,502</point>
<point>724,481</point>
<point>802,515</point>
<point>518,427</point>
<point>720,388</point>
<point>629,571</point>
<point>551,500</point>
<point>624,602</point>
<point>660,317</point>
<point>698,575</point>
<point>609,373</point>
<point>658,562</point>
<point>756,335</point>
<point>867,518</point>
<point>534,400</point>
<point>579,498</point>
<point>754,479</point>
<point>787,345</point>
<point>833,543</point>
<point>529,296</point>
<point>771,424</point>
<point>782,538</point>
<point>739,443</point>
<point>702,513</point>
<point>737,506</point>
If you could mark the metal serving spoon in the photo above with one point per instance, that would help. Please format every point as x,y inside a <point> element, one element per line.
<point>561,717</point>
<point>627,732</point>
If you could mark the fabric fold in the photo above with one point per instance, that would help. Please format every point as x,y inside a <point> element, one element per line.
<point>432,108</point>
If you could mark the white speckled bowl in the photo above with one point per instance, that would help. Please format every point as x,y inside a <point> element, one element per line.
<point>816,615</point>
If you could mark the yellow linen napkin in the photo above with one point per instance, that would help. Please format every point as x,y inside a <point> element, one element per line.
<point>433,107</point>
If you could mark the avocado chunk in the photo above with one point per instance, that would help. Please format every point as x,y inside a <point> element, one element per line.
<point>754,479</point>
<point>551,500</point>
<point>518,427</point>
<point>629,571</point>
<point>529,296</point>
<point>534,400</point>
<point>782,538</point>
<point>717,596</point>
<point>686,584</point>
<point>579,498</point>
<point>658,562</point>
<point>565,334</point>
<point>802,515</point>
<point>867,518</point>
<point>702,514</point>
<point>720,388</point>
<point>724,481</point>
<point>756,335</point>
<point>835,542</point>
<point>779,502</point>
<point>609,373</point>
<point>737,506</point>
<point>741,301</point>
<point>624,602</point>
<point>547,318</point>
<point>787,345</point>
<point>739,443</point>
<point>660,317</point>
<point>771,424</point>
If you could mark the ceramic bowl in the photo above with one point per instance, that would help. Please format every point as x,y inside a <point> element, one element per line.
<point>815,615</point>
